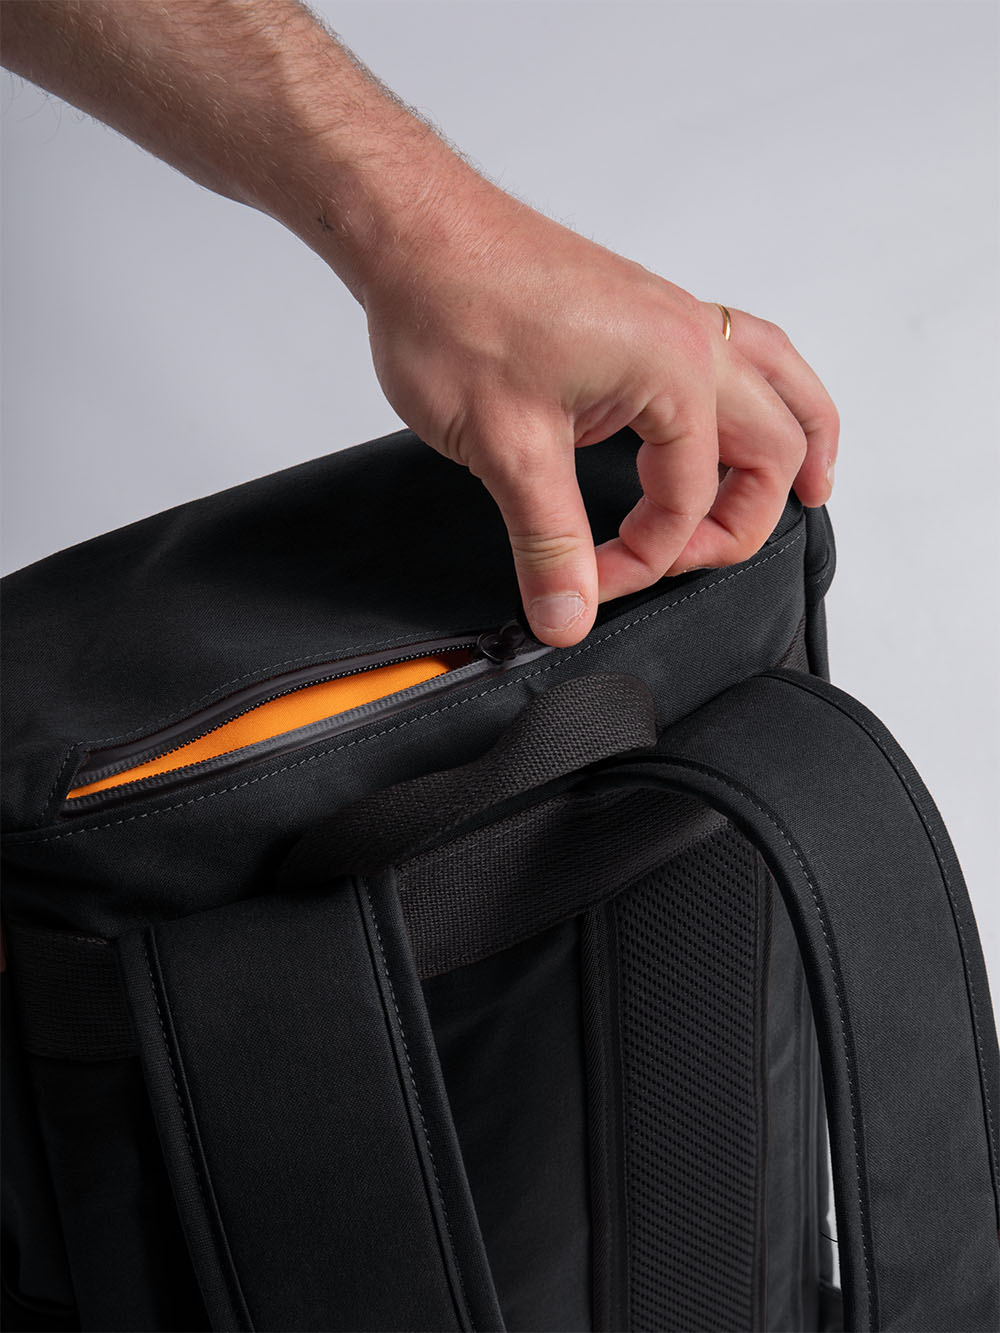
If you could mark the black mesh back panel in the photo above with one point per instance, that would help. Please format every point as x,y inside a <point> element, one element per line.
<point>692,949</point>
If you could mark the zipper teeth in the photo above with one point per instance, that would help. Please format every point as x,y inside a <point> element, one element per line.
<point>136,761</point>
<point>154,780</point>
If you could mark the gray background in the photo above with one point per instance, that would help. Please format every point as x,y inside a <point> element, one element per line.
<point>829,166</point>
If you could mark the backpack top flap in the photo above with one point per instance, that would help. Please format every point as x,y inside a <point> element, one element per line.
<point>165,637</point>
<point>368,547</point>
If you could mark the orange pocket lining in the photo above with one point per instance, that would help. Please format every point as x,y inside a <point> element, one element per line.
<point>289,712</point>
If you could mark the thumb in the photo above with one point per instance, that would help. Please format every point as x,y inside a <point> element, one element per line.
<point>540,501</point>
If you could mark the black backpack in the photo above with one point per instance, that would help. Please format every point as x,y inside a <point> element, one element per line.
<point>373,966</point>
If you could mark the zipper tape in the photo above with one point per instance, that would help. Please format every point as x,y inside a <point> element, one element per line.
<point>492,651</point>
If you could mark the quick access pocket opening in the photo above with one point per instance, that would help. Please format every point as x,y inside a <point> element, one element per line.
<point>292,710</point>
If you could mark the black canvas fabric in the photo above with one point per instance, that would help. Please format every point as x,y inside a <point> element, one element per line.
<point>521,1001</point>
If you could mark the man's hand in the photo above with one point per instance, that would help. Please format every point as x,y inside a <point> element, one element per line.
<point>509,341</point>
<point>505,340</point>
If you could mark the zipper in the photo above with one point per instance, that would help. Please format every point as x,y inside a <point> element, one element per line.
<point>293,710</point>
<point>184,751</point>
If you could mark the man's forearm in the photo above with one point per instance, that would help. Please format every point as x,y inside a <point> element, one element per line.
<point>255,100</point>
<point>503,339</point>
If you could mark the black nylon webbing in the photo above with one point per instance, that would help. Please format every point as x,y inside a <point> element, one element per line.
<point>532,870</point>
<point>578,722</point>
<point>69,995</point>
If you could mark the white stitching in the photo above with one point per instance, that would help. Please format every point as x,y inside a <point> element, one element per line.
<point>19,840</point>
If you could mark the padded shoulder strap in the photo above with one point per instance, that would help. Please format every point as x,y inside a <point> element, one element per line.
<point>303,1116</point>
<point>897,981</point>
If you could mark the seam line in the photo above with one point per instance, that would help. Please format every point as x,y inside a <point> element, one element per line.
<point>956,915</point>
<point>220,1259</point>
<point>263,672</point>
<point>416,1097</point>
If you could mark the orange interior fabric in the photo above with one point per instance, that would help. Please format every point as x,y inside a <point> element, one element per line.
<point>312,703</point>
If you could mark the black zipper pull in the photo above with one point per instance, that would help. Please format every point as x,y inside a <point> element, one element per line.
<point>500,645</point>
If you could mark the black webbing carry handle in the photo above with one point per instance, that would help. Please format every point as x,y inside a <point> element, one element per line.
<point>578,722</point>
<point>889,944</point>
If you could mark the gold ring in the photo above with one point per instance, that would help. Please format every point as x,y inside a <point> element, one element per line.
<point>727,325</point>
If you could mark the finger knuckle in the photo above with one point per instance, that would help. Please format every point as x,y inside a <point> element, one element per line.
<point>745,544</point>
<point>792,444</point>
<point>509,459</point>
<point>691,337</point>
<point>776,337</point>
<point>540,553</point>
<point>746,550</point>
<point>687,509</point>
<point>699,343</point>
<point>653,568</point>
<point>824,424</point>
